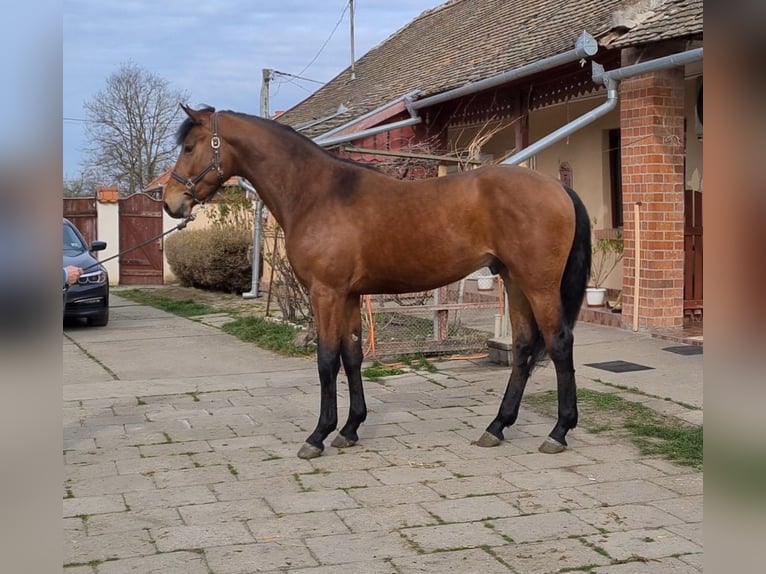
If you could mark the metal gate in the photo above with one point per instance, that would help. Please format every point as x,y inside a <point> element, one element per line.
<point>140,219</point>
<point>82,212</point>
<point>693,253</point>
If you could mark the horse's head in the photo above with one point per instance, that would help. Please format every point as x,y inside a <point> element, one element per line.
<point>199,170</point>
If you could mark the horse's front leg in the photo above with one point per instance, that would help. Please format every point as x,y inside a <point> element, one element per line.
<point>329,318</point>
<point>351,353</point>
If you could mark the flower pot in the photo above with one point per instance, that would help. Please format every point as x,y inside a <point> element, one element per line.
<point>485,283</point>
<point>595,296</point>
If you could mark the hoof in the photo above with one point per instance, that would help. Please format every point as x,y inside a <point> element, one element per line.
<point>308,451</point>
<point>552,446</point>
<point>488,439</point>
<point>342,442</point>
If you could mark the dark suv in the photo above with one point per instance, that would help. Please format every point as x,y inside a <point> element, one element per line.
<point>89,297</point>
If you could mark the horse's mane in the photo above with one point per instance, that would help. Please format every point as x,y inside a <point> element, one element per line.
<point>188,124</point>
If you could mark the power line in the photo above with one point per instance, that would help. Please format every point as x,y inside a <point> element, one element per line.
<point>342,14</point>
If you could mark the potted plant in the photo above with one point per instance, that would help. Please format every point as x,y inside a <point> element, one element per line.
<point>607,251</point>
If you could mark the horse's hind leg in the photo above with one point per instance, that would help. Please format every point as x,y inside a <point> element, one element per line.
<point>527,346</point>
<point>559,341</point>
<point>561,351</point>
<point>352,356</point>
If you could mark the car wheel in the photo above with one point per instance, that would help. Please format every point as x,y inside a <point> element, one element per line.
<point>100,320</point>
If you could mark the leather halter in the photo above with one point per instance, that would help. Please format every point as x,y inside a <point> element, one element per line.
<point>215,164</point>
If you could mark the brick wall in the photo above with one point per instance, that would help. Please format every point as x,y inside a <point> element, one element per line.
<point>652,132</point>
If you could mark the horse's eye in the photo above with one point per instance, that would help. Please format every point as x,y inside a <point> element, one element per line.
<point>188,148</point>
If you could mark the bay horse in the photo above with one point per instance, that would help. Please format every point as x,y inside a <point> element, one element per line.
<point>352,230</point>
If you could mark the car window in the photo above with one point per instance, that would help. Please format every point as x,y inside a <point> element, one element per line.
<point>72,243</point>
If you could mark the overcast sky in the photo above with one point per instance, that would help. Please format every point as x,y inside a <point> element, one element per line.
<point>216,50</point>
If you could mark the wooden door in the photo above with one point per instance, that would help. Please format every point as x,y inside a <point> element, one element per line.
<point>82,212</point>
<point>140,220</point>
<point>693,252</point>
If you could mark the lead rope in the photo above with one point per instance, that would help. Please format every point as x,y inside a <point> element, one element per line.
<point>178,227</point>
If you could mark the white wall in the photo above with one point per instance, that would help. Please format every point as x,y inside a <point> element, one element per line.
<point>108,229</point>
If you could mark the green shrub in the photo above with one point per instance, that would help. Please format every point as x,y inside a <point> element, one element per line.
<point>217,258</point>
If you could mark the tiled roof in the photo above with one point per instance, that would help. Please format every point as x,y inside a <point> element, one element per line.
<point>468,40</point>
<point>670,19</point>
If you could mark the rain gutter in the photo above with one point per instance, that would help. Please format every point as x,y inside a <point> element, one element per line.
<point>586,45</point>
<point>611,80</point>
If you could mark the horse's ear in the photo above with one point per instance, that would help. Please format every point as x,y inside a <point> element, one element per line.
<point>189,112</point>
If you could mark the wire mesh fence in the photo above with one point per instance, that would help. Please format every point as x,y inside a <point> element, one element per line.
<point>456,319</point>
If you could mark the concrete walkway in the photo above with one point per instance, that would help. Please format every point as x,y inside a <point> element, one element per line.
<point>180,458</point>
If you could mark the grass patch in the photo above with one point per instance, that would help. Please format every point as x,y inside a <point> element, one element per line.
<point>653,433</point>
<point>267,335</point>
<point>378,371</point>
<point>418,362</point>
<point>182,307</point>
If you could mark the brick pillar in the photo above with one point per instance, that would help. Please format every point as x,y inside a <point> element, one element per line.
<point>652,133</point>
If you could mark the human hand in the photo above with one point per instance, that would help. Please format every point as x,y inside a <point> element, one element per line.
<point>72,274</point>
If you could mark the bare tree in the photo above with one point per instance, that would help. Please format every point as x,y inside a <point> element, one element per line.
<point>131,127</point>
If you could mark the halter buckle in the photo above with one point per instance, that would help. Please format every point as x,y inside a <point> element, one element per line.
<point>215,142</point>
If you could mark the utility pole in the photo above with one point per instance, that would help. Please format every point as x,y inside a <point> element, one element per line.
<point>351,17</point>
<point>258,207</point>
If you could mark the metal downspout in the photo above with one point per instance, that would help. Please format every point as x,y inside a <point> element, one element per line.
<point>571,127</point>
<point>611,80</point>
<point>585,45</point>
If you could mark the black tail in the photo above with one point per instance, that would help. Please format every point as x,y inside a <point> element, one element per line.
<point>574,281</point>
<point>577,270</point>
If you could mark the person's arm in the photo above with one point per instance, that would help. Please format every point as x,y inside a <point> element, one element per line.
<point>71,274</point>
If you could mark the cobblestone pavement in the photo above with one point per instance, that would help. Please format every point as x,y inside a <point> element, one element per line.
<point>180,457</point>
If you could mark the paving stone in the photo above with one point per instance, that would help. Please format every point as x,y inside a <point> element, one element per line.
<point>81,549</point>
<point>367,567</point>
<point>626,492</point>
<point>192,476</point>
<point>626,517</point>
<point>311,501</point>
<point>103,485</point>
<point>346,548</point>
<point>690,531</point>
<point>550,556</point>
<point>169,563</point>
<point>695,560</point>
<point>258,488</point>
<point>609,453</point>
<point>218,512</point>
<point>648,543</point>
<point>472,561</point>
<point>471,509</point>
<point>410,474</point>
<point>687,508</point>
<point>472,486</point>
<point>86,471</point>
<point>79,570</point>
<point>539,460</point>
<point>93,505</point>
<point>542,501</point>
<point>155,464</point>
<point>452,536</point>
<point>385,518</point>
<point>282,528</point>
<point>686,484</point>
<point>262,557</point>
<point>549,478</point>
<point>188,447</point>
<point>535,527</point>
<point>359,461</point>
<point>133,520</point>
<point>335,480</point>
<point>487,467</point>
<point>169,497</point>
<point>200,536</point>
<point>612,471</point>
<point>663,566</point>
<point>387,495</point>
